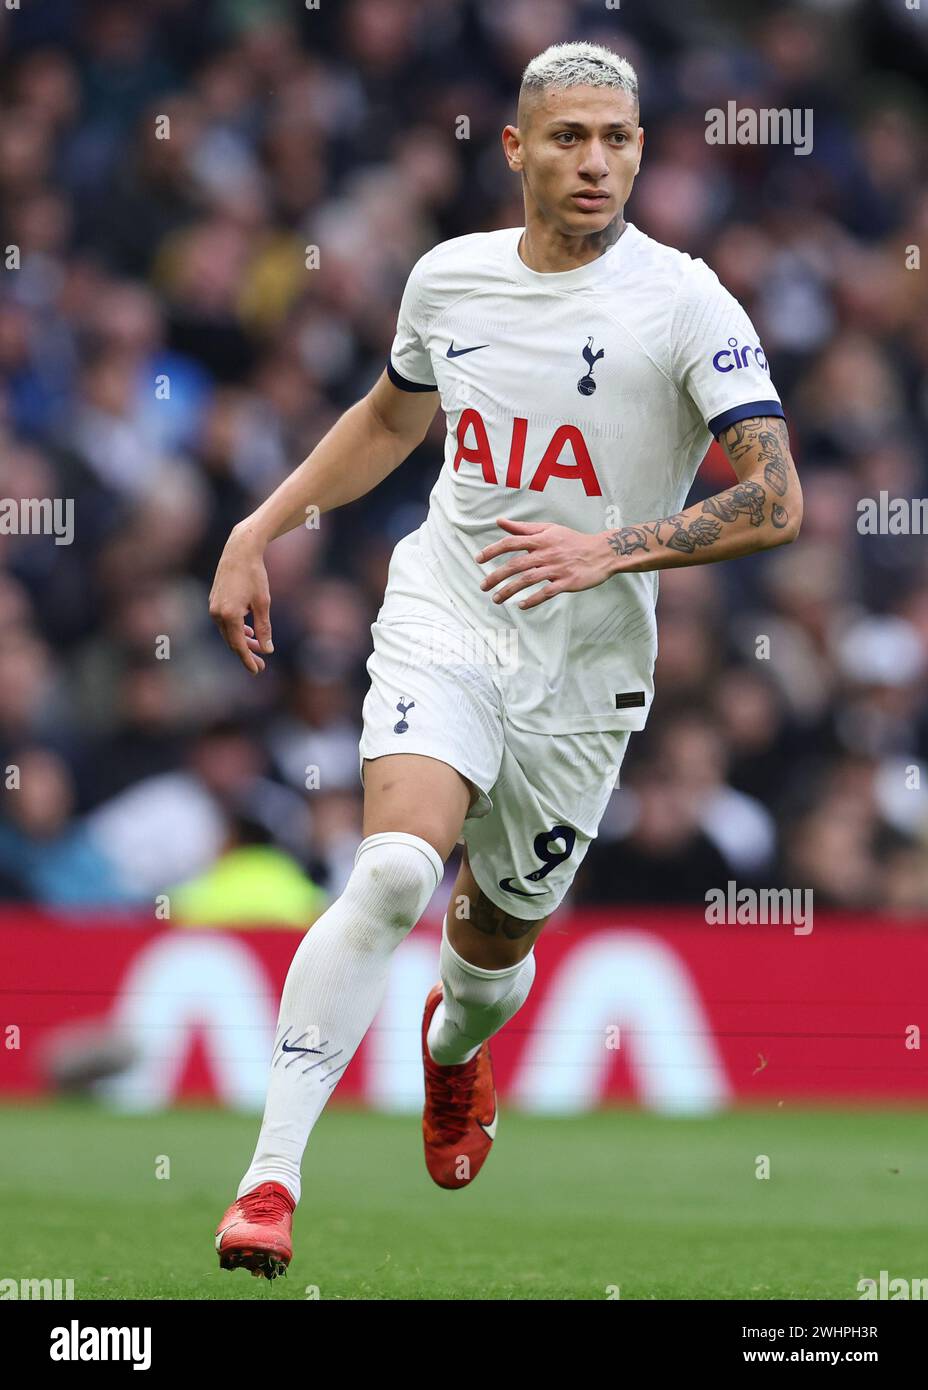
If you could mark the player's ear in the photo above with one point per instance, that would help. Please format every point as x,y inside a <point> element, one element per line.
<point>512,146</point>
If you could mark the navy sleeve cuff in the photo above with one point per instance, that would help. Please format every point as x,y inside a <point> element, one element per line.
<point>744,412</point>
<point>403,383</point>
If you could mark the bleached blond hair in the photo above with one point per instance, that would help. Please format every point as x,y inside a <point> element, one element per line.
<point>579,65</point>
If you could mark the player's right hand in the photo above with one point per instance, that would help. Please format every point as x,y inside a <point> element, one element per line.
<point>241,587</point>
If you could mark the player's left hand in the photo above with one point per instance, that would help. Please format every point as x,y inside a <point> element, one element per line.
<point>570,560</point>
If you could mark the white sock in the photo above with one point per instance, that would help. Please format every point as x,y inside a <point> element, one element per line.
<point>475,1003</point>
<point>334,987</point>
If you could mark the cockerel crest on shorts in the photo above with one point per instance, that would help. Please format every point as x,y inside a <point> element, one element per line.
<point>403,705</point>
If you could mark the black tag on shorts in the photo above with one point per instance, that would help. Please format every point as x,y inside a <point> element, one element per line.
<point>629,699</point>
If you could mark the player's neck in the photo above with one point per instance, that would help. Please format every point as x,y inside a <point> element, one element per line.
<point>544,249</point>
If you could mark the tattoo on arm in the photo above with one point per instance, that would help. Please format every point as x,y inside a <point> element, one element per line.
<point>656,528</point>
<point>769,436</point>
<point>764,436</point>
<point>685,534</point>
<point>743,499</point>
<point>628,539</point>
<point>702,531</point>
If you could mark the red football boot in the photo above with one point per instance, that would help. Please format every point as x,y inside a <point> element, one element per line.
<point>459,1119</point>
<point>255,1232</point>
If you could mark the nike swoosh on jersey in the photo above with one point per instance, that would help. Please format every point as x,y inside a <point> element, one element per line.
<point>506,885</point>
<point>459,352</point>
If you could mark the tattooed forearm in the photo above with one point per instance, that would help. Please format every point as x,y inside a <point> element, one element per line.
<point>657,528</point>
<point>744,499</point>
<point>628,539</point>
<point>686,534</point>
<point>683,533</point>
<point>678,532</point>
<point>763,509</point>
<point>702,531</point>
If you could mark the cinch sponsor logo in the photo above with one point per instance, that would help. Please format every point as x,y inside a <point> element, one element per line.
<point>733,358</point>
<point>76,1343</point>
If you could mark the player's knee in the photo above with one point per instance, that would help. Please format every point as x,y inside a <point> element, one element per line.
<point>394,877</point>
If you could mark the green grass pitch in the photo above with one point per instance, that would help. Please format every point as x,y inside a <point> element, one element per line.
<point>565,1209</point>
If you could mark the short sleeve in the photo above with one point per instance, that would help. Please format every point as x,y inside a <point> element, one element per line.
<point>410,365</point>
<point>716,355</point>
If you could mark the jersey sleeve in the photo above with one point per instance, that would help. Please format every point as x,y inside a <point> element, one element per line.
<point>716,355</point>
<point>410,364</point>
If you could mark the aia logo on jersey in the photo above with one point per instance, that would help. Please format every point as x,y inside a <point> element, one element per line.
<point>567,440</point>
<point>733,358</point>
<point>586,385</point>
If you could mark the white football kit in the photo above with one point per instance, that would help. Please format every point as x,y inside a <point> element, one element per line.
<point>583,397</point>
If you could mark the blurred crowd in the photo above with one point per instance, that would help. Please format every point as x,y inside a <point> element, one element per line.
<point>167,355</point>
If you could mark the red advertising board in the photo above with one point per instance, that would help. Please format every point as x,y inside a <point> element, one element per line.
<point>653,1007</point>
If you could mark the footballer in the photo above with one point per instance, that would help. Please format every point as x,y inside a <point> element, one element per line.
<point>583,369</point>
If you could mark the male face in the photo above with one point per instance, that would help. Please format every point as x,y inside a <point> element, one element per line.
<point>579,149</point>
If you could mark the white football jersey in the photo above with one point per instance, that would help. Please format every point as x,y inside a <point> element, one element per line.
<point>586,397</point>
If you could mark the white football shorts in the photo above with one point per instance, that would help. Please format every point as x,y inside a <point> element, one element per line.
<point>540,796</point>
